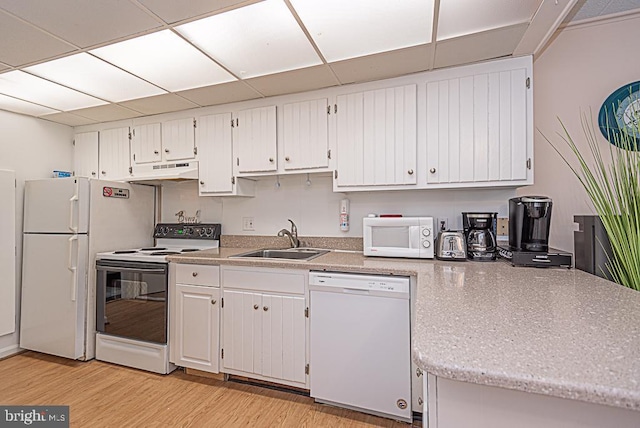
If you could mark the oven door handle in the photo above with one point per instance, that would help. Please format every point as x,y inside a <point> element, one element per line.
<point>125,269</point>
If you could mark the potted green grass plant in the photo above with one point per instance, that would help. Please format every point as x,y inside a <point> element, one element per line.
<point>612,182</point>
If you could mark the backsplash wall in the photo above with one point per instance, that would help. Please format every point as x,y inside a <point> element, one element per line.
<point>315,207</point>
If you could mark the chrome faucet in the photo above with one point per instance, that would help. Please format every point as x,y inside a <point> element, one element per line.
<point>293,235</point>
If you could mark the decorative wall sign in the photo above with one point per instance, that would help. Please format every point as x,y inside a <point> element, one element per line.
<point>620,115</point>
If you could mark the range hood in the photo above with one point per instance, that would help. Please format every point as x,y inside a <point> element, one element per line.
<point>177,171</point>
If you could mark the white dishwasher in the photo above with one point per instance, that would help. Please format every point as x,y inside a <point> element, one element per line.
<point>360,342</point>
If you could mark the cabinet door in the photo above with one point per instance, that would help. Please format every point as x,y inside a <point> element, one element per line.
<point>242,317</point>
<point>196,321</point>
<point>377,137</point>
<point>477,128</point>
<point>114,156</point>
<point>305,134</point>
<point>146,143</point>
<point>283,337</point>
<point>178,139</point>
<point>215,158</point>
<point>85,155</point>
<point>255,133</point>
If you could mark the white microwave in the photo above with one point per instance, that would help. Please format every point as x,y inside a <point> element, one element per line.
<point>398,237</point>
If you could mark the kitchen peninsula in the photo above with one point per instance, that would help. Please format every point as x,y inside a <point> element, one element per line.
<point>542,334</point>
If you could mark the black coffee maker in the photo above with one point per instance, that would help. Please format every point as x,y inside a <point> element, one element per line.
<point>480,235</point>
<point>529,223</point>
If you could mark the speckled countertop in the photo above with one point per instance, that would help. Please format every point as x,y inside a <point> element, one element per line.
<point>557,332</point>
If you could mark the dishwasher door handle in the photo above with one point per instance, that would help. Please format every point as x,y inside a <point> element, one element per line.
<point>355,291</point>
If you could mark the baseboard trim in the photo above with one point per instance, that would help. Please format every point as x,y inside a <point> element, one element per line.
<point>10,351</point>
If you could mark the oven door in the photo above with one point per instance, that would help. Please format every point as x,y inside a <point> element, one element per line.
<point>131,300</point>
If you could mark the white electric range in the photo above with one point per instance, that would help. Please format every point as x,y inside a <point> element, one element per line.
<point>132,293</point>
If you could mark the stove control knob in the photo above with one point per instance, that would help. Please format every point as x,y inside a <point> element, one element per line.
<point>426,244</point>
<point>209,231</point>
<point>426,232</point>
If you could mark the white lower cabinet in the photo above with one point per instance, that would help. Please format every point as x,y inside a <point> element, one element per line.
<point>265,325</point>
<point>194,340</point>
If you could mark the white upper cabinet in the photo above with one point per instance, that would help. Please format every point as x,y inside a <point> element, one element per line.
<point>478,126</point>
<point>255,137</point>
<point>85,155</point>
<point>376,138</point>
<point>178,139</point>
<point>114,154</point>
<point>215,158</point>
<point>146,143</point>
<point>305,135</point>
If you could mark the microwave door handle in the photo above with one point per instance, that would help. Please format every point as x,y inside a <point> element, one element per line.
<point>414,237</point>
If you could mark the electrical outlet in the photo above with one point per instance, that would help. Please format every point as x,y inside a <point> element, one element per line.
<point>503,226</point>
<point>442,224</point>
<point>247,223</point>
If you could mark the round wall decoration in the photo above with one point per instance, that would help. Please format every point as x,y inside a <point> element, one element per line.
<point>619,116</point>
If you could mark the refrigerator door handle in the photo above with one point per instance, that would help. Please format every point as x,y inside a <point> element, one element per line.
<point>72,202</point>
<point>73,269</point>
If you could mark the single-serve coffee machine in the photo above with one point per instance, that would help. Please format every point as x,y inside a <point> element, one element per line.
<point>529,227</point>
<point>480,234</point>
<point>529,223</point>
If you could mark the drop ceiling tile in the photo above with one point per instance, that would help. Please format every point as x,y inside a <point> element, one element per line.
<point>107,113</point>
<point>220,94</point>
<point>306,79</point>
<point>619,6</point>
<point>21,43</point>
<point>478,47</point>
<point>172,11</point>
<point>250,45</point>
<point>384,65</point>
<point>18,106</point>
<point>463,17</point>
<point>94,76</point>
<point>81,22</point>
<point>159,104</point>
<point>584,9</point>
<point>348,29</point>
<point>68,119</point>
<point>162,58</point>
<point>22,85</point>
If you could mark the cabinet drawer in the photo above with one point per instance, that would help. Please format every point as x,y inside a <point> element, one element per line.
<point>198,275</point>
<point>265,279</point>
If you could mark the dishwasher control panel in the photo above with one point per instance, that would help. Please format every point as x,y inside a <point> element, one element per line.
<point>397,284</point>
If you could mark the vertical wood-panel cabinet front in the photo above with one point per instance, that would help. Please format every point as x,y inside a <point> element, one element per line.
<point>305,134</point>
<point>146,143</point>
<point>197,314</point>
<point>215,157</point>
<point>85,155</point>
<point>477,128</point>
<point>178,139</point>
<point>114,156</point>
<point>264,334</point>
<point>255,137</point>
<point>377,137</point>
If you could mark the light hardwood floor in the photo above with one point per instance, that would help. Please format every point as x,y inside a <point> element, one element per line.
<point>105,395</point>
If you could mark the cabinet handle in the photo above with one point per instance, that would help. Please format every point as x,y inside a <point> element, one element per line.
<point>255,307</point>
<point>410,172</point>
<point>271,160</point>
<point>420,401</point>
<point>418,372</point>
<point>194,274</point>
<point>155,152</point>
<point>166,150</point>
<point>103,172</point>
<point>93,173</point>
<point>201,183</point>
<point>213,302</point>
<point>265,308</point>
<point>287,158</point>
<point>432,170</point>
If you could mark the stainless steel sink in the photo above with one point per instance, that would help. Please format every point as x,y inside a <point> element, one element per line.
<point>303,254</point>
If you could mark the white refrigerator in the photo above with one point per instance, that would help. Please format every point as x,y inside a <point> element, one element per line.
<point>66,222</point>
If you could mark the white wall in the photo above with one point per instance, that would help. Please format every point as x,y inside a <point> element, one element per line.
<point>315,208</point>
<point>33,148</point>
<point>578,71</point>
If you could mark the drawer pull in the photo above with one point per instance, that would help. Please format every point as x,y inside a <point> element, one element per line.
<point>265,308</point>
<point>213,302</point>
<point>194,274</point>
<point>255,307</point>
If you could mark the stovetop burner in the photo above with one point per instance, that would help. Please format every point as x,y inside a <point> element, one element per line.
<point>125,252</point>
<point>188,250</point>
<point>165,253</point>
<point>153,249</point>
